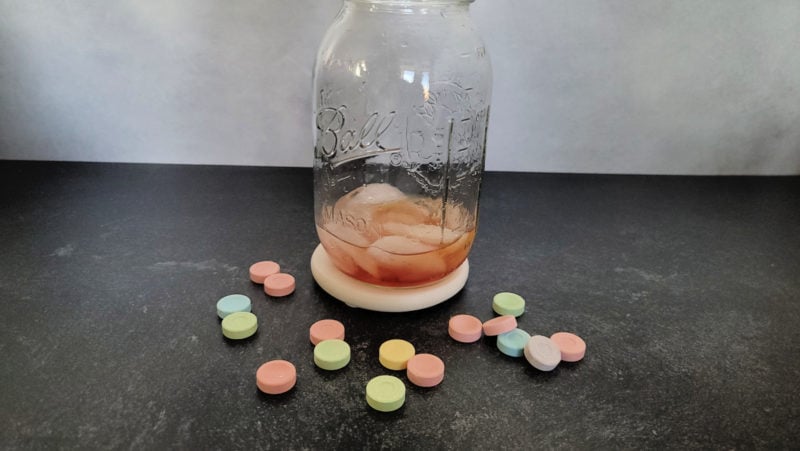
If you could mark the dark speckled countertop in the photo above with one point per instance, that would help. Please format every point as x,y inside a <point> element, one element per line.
<point>686,290</point>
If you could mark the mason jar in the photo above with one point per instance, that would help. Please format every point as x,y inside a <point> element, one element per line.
<point>401,98</point>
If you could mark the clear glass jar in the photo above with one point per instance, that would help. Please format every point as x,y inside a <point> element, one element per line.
<point>401,105</point>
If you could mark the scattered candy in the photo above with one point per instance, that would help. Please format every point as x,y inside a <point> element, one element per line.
<point>425,370</point>
<point>279,285</point>
<point>508,304</point>
<point>394,354</point>
<point>239,325</point>
<point>331,355</point>
<point>386,393</point>
<point>513,343</point>
<point>465,328</point>
<point>542,353</point>
<point>572,347</point>
<point>326,329</point>
<point>261,270</point>
<point>276,377</point>
<point>233,303</point>
<point>499,325</point>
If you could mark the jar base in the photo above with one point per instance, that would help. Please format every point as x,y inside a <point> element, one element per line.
<point>356,293</point>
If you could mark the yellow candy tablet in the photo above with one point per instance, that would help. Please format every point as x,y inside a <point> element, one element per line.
<point>394,354</point>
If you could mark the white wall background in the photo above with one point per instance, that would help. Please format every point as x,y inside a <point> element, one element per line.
<point>632,86</point>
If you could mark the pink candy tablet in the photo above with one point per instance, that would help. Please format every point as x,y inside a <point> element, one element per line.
<point>326,329</point>
<point>500,325</point>
<point>278,285</point>
<point>425,370</point>
<point>465,328</point>
<point>261,270</point>
<point>276,377</point>
<point>572,347</point>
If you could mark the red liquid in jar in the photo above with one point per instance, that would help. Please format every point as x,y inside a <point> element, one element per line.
<point>379,235</point>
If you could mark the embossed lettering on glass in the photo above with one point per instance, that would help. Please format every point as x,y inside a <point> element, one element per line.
<point>401,105</point>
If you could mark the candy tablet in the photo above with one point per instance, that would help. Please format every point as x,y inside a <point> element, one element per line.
<point>278,285</point>
<point>331,354</point>
<point>261,270</point>
<point>542,353</point>
<point>276,377</point>
<point>513,343</point>
<point>508,304</point>
<point>572,347</point>
<point>239,325</point>
<point>394,354</point>
<point>326,329</point>
<point>425,370</point>
<point>465,328</point>
<point>499,325</point>
<point>386,393</point>
<point>233,303</point>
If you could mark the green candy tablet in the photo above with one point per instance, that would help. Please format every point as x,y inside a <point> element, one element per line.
<point>386,393</point>
<point>239,325</point>
<point>508,304</point>
<point>331,354</point>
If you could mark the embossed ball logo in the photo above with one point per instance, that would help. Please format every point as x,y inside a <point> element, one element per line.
<point>343,139</point>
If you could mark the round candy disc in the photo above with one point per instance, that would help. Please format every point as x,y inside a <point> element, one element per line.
<point>542,353</point>
<point>425,370</point>
<point>394,354</point>
<point>276,377</point>
<point>572,347</point>
<point>233,303</point>
<point>261,270</point>
<point>386,393</point>
<point>508,304</point>
<point>331,354</point>
<point>513,343</point>
<point>239,325</point>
